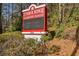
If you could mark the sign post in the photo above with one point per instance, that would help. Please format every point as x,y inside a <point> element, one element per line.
<point>34,21</point>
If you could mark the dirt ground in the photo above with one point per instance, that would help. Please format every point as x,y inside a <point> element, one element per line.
<point>77,53</point>
<point>66,47</point>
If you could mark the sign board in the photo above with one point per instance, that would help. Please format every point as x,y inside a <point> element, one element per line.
<point>34,19</point>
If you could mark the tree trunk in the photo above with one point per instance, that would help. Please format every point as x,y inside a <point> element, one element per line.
<point>0,18</point>
<point>77,42</point>
<point>61,13</point>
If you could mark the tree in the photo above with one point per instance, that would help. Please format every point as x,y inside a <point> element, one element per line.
<point>16,22</point>
<point>0,18</point>
<point>61,13</point>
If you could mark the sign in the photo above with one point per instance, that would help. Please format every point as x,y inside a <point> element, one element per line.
<point>37,23</point>
<point>34,19</point>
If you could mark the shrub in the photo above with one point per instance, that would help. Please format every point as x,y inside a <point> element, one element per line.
<point>10,40</point>
<point>48,36</point>
<point>13,44</point>
<point>51,34</point>
<point>54,49</point>
<point>59,31</point>
<point>44,38</point>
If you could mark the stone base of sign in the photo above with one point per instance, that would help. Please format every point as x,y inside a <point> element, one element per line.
<point>36,37</point>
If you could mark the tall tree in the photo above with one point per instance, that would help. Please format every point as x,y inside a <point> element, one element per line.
<point>61,13</point>
<point>17,15</point>
<point>0,18</point>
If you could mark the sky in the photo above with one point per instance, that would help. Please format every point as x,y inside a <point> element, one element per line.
<point>7,10</point>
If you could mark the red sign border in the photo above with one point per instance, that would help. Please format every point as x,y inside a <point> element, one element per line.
<point>45,22</point>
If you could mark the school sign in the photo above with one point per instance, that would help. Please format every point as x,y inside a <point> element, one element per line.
<point>34,20</point>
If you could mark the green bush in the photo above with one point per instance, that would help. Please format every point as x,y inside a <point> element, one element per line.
<point>59,31</point>
<point>44,38</point>
<point>9,35</point>
<point>13,44</point>
<point>54,49</point>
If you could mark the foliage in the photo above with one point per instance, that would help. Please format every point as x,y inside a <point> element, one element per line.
<point>59,31</point>
<point>49,36</point>
<point>10,35</point>
<point>16,24</point>
<point>44,38</point>
<point>12,43</point>
<point>54,49</point>
<point>69,18</point>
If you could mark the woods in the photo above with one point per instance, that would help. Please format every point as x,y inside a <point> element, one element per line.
<point>62,26</point>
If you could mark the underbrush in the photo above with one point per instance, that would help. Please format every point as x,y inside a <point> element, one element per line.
<point>13,44</point>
